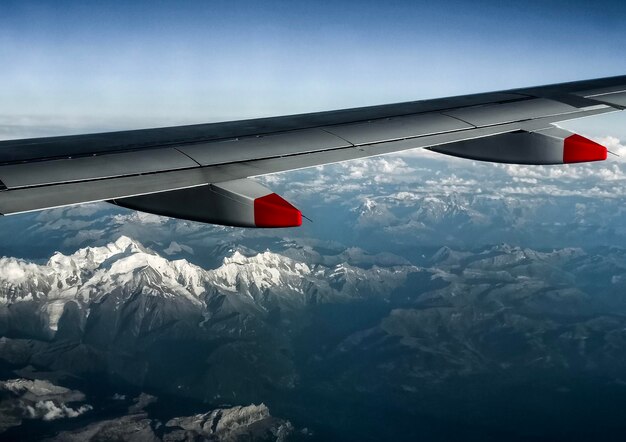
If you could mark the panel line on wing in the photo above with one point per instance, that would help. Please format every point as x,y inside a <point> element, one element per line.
<point>178,150</point>
<point>366,149</point>
<point>461,120</point>
<point>338,136</point>
<point>78,146</point>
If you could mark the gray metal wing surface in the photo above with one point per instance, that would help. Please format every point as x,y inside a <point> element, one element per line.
<point>57,171</point>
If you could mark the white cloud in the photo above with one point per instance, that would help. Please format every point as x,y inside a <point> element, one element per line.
<point>48,410</point>
<point>614,145</point>
<point>41,399</point>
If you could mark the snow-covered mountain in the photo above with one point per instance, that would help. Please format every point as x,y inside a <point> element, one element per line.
<point>125,268</point>
<point>306,323</point>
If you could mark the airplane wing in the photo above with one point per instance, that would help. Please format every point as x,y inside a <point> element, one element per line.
<point>202,172</point>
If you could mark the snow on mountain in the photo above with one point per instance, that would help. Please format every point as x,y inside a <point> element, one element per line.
<point>501,256</point>
<point>238,423</point>
<point>174,248</point>
<point>263,270</point>
<point>234,423</point>
<point>21,280</point>
<point>334,255</point>
<point>271,278</point>
<point>146,272</point>
<point>373,213</point>
<point>125,268</point>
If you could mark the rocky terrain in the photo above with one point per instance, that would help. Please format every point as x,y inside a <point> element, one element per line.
<point>240,423</point>
<point>26,400</point>
<point>37,399</point>
<point>324,337</point>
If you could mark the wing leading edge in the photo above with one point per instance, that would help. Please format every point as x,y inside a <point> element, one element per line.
<point>141,168</point>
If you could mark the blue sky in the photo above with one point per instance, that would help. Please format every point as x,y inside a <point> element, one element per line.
<point>111,64</point>
<point>78,67</point>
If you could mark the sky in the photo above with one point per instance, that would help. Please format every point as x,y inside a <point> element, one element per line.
<point>76,66</point>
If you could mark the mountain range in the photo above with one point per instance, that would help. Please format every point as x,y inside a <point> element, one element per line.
<point>323,337</point>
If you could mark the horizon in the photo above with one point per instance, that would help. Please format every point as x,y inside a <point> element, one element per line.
<point>93,66</point>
